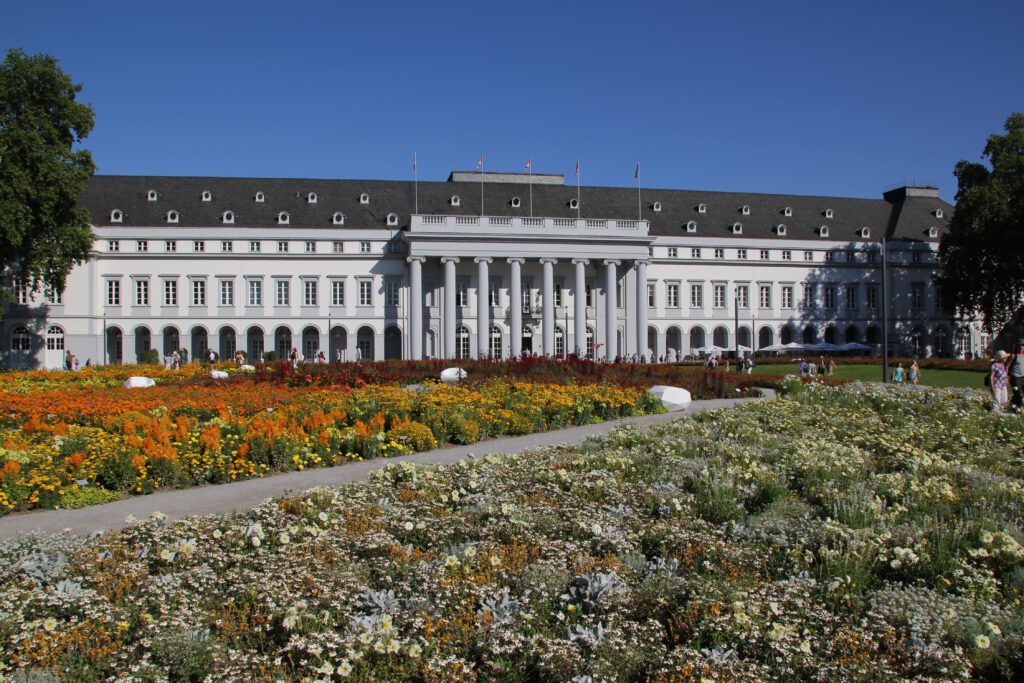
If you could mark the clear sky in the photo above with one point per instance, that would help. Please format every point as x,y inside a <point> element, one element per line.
<point>831,98</point>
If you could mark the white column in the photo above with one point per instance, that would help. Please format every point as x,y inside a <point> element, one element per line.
<point>415,307</point>
<point>611,326</point>
<point>483,307</point>
<point>515,335</point>
<point>579,300</point>
<point>548,304</point>
<point>641,309</point>
<point>449,305</point>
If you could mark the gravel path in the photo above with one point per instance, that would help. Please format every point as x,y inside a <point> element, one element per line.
<point>247,494</point>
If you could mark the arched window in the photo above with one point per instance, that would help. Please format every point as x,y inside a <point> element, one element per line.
<point>54,338</point>
<point>495,342</point>
<point>462,342</point>
<point>559,342</point>
<point>590,343</point>
<point>721,337</point>
<point>696,339</point>
<point>21,339</point>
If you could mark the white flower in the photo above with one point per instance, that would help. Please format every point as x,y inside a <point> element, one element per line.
<point>394,646</point>
<point>325,669</point>
<point>217,533</point>
<point>323,516</point>
<point>284,538</point>
<point>387,623</point>
<point>993,629</point>
<point>805,647</point>
<point>365,637</point>
<point>777,632</point>
<point>409,526</point>
<point>379,647</point>
<point>982,641</point>
<point>495,561</point>
<point>158,516</point>
<point>50,624</point>
<point>415,650</point>
<point>470,552</point>
<point>596,529</point>
<point>451,561</point>
<point>256,541</point>
<point>166,555</point>
<point>344,669</point>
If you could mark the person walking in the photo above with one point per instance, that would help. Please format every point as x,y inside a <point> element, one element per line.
<point>914,374</point>
<point>899,374</point>
<point>1015,370</point>
<point>997,380</point>
<point>831,366</point>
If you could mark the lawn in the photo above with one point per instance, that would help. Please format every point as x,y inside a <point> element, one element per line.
<point>873,373</point>
<point>859,533</point>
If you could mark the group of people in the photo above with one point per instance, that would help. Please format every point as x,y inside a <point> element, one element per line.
<point>1006,378</point>
<point>901,374</point>
<point>742,364</point>
<point>72,364</point>
<point>824,366</point>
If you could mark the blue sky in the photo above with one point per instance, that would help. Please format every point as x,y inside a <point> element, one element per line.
<point>792,97</point>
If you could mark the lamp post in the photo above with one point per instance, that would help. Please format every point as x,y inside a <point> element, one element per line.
<point>736,325</point>
<point>885,315</point>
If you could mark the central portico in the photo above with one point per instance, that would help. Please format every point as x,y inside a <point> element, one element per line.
<point>598,256</point>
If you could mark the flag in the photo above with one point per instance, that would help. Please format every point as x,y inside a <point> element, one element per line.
<point>414,162</point>
<point>637,174</point>
<point>480,163</point>
<point>577,168</point>
<point>529,163</point>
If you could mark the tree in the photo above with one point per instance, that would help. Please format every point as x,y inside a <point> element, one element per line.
<point>42,234</point>
<point>983,252</point>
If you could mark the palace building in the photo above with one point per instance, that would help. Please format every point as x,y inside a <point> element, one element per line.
<point>485,264</point>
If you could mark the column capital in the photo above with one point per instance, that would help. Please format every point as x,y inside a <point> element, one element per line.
<point>449,259</point>
<point>516,259</point>
<point>420,259</point>
<point>611,262</point>
<point>548,259</point>
<point>642,262</point>
<point>584,261</point>
<point>483,259</point>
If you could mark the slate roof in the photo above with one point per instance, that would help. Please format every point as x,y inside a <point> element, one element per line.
<point>900,213</point>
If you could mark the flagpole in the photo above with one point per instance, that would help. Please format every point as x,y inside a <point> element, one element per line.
<point>415,186</point>
<point>639,211</point>
<point>577,189</point>
<point>529,167</point>
<point>481,169</point>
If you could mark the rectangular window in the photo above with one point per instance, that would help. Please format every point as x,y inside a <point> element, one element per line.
<point>339,247</point>
<point>915,256</point>
<point>365,293</point>
<point>695,252</point>
<point>170,292</point>
<point>227,293</point>
<point>309,293</point>
<point>651,303</point>
<point>254,247</point>
<point>199,292</point>
<point>337,292</point>
<point>113,292</point>
<point>227,246</point>
<point>673,252</point>
<point>282,247</point>
<point>810,296</point>
<point>255,292</point>
<point>20,291</point>
<point>917,295</point>
<point>672,295</point>
<point>830,256</point>
<point>113,245</point>
<point>719,253</point>
<point>871,296</point>
<point>808,256</point>
<point>741,254</point>
<point>719,294</point>
<point>493,293</point>
<point>787,255</point>
<point>830,296</point>
<point>742,294</point>
<point>851,256</point>
<point>55,296</point>
<point>199,246</point>
<point>590,296</point>
<point>310,247</point>
<point>872,256</point>
<point>282,293</point>
<point>391,293</point>
<point>696,296</point>
<point>170,245</point>
<point>142,246</point>
<point>142,292</point>
<point>787,296</point>
<point>364,247</point>
<point>557,295</point>
<point>765,296</point>
<point>851,297</point>
<point>764,255</point>
<point>462,292</point>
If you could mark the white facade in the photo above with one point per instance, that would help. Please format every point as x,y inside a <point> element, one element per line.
<point>462,286</point>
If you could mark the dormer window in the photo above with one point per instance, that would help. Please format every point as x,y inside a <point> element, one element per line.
<point>516,202</point>
<point>702,208</point>
<point>656,207</point>
<point>787,212</point>
<point>780,229</point>
<point>864,232</point>
<point>691,226</point>
<point>338,218</point>
<point>364,198</point>
<point>829,213</point>
<point>392,219</point>
<point>311,198</point>
<point>116,216</point>
<point>938,213</point>
<point>455,200</point>
<point>823,231</point>
<point>283,218</point>
<point>933,232</point>
<point>745,210</point>
<point>172,216</point>
<point>737,228</point>
<point>574,203</point>
<point>207,196</point>
<point>151,195</point>
<point>227,218</point>
<point>260,198</point>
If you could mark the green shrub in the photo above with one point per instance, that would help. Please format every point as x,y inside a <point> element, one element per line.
<point>80,497</point>
<point>149,357</point>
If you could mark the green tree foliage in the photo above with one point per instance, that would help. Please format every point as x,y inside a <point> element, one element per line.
<point>983,252</point>
<point>42,233</point>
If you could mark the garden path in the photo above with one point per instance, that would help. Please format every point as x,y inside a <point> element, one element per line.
<point>242,495</point>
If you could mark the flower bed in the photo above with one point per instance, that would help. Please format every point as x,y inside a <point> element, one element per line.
<point>66,448</point>
<point>845,534</point>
